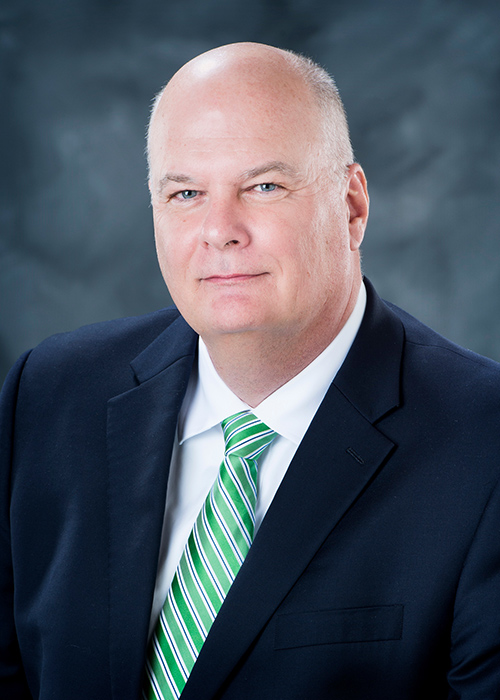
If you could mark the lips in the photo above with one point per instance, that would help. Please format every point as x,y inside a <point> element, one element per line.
<point>232,278</point>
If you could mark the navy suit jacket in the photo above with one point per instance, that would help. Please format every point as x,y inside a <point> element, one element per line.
<point>375,574</point>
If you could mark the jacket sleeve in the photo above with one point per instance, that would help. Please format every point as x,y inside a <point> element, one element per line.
<point>13,683</point>
<point>475,642</point>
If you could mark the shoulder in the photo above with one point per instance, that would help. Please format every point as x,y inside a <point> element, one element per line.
<point>124,334</point>
<point>449,395</point>
<point>397,361</point>
<point>400,363</point>
<point>96,354</point>
<point>125,337</point>
<point>440,358</point>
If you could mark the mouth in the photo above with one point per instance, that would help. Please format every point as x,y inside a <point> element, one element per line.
<point>234,278</point>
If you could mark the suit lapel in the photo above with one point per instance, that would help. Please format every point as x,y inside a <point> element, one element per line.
<point>339,456</point>
<point>141,430</point>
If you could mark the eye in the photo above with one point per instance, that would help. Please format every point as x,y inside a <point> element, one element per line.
<point>187,194</point>
<point>266,187</point>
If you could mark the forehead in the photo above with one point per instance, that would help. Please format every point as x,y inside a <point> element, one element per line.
<point>273,118</point>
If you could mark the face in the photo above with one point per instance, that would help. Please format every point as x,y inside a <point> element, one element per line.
<point>252,236</point>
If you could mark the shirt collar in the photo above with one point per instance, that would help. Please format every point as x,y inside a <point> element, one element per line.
<point>289,410</point>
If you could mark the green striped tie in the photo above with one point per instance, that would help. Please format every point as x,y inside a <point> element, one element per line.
<point>216,548</point>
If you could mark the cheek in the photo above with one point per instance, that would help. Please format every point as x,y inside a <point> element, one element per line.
<point>172,244</point>
<point>325,256</point>
<point>171,265</point>
<point>162,254</point>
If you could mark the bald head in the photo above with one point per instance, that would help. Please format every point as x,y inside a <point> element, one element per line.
<point>258,74</point>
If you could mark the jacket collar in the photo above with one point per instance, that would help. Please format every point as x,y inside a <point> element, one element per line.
<point>177,341</point>
<point>370,375</point>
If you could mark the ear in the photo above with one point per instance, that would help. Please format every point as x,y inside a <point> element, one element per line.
<point>358,204</point>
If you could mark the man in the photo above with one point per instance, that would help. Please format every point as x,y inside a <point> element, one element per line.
<point>374,570</point>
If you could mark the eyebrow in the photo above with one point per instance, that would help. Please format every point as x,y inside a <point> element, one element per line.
<point>174,177</point>
<point>274,165</point>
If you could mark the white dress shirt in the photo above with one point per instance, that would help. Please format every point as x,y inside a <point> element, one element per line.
<point>199,448</point>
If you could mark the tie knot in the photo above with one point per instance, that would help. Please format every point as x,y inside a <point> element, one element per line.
<point>245,435</point>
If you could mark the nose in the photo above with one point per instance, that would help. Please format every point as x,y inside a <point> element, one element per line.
<point>224,226</point>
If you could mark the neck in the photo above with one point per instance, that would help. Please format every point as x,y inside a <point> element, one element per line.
<point>260,369</point>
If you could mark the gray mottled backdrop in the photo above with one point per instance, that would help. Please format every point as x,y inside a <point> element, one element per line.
<point>420,81</point>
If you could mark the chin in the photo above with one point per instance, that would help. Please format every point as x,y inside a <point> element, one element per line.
<point>231,324</point>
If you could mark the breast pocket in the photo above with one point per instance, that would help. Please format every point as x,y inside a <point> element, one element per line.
<point>341,626</point>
